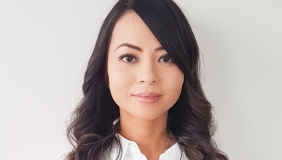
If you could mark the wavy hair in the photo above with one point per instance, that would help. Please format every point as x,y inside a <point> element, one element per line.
<point>190,120</point>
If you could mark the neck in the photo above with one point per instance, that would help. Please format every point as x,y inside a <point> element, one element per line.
<point>150,135</point>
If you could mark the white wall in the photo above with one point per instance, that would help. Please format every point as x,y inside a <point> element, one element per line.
<point>45,46</point>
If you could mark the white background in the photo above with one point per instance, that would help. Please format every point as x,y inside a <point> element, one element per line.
<point>45,46</point>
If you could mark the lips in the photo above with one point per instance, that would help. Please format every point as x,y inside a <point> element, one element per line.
<point>147,97</point>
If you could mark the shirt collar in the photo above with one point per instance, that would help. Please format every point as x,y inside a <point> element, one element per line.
<point>131,147</point>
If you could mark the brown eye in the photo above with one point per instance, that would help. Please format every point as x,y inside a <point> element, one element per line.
<point>166,59</point>
<point>128,58</point>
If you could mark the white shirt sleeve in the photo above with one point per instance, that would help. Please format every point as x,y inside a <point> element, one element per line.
<point>63,155</point>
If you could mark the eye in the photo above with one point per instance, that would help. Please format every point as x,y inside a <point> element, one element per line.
<point>127,58</point>
<point>166,59</point>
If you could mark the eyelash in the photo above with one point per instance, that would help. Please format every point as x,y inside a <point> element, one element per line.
<point>126,55</point>
<point>167,56</point>
<point>132,56</point>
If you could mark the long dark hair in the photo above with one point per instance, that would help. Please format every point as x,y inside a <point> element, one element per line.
<point>91,130</point>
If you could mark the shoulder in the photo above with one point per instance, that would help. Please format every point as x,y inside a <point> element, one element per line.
<point>63,155</point>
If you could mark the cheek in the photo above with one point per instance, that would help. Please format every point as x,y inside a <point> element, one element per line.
<point>119,83</point>
<point>174,83</point>
<point>116,80</point>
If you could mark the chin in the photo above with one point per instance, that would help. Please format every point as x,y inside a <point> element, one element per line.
<point>149,115</point>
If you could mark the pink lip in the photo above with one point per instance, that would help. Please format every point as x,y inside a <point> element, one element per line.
<point>147,97</point>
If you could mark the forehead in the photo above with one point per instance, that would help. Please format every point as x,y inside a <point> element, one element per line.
<point>130,28</point>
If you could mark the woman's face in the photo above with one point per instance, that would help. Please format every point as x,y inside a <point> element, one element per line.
<point>143,80</point>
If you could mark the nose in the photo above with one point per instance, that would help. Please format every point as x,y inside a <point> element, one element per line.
<point>147,73</point>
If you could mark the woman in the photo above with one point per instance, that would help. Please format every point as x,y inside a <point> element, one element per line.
<point>142,94</point>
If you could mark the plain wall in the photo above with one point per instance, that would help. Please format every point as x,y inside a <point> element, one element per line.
<point>45,47</point>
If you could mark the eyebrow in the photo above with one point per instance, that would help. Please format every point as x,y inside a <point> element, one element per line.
<point>136,47</point>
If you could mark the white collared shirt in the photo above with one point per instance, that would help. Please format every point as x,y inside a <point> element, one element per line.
<point>131,151</point>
